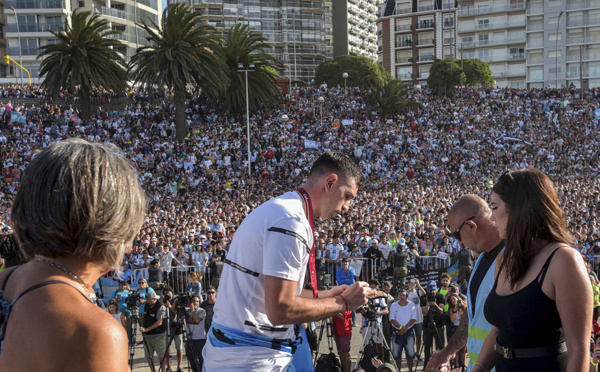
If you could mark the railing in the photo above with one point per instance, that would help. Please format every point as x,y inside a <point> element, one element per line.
<point>513,40</point>
<point>403,10</point>
<point>403,27</point>
<point>585,22</point>
<point>491,25</point>
<point>583,4</point>
<point>405,44</point>
<point>427,8</point>
<point>584,39</point>
<point>35,27</point>
<point>16,51</point>
<point>425,41</point>
<point>492,9</point>
<point>110,12</point>
<point>426,58</point>
<point>404,60</point>
<point>422,25</point>
<point>535,9</point>
<point>405,76</point>
<point>535,26</point>
<point>33,4</point>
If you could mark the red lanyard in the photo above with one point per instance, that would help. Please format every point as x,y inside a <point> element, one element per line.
<point>311,260</point>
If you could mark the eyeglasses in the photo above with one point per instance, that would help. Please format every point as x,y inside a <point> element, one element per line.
<point>210,292</point>
<point>142,283</point>
<point>456,233</point>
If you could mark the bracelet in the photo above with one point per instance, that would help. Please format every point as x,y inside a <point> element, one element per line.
<point>479,364</point>
<point>346,302</point>
<point>594,364</point>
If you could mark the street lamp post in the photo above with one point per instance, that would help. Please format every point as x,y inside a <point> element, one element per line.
<point>20,47</point>
<point>321,100</point>
<point>245,70</point>
<point>556,47</point>
<point>345,76</point>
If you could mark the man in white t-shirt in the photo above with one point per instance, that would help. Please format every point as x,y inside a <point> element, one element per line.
<point>403,314</point>
<point>268,255</point>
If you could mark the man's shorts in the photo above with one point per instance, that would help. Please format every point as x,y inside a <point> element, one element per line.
<point>155,343</point>
<point>404,342</point>
<point>178,342</point>
<point>343,343</point>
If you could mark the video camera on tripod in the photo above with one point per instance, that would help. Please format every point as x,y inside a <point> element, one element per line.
<point>370,310</point>
<point>133,302</point>
<point>180,301</point>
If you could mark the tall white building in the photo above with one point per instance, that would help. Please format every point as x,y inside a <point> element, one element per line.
<point>28,23</point>
<point>355,28</point>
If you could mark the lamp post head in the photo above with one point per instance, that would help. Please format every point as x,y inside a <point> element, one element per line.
<point>284,118</point>
<point>321,99</point>
<point>345,75</point>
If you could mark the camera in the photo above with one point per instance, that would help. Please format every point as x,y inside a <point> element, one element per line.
<point>182,299</point>
<point>430,297</point>
<point>370,310</point>
<point>133,300</point>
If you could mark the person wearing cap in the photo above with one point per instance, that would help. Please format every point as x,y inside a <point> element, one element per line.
<point>346,274</point>
<point>154,330</point>
<point>432,305</point>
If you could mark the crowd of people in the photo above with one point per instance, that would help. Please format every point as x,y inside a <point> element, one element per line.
<point>415,165</point>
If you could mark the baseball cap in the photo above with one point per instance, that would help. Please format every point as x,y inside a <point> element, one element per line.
<point>151,296</point>
<point>374,241</point>
<point>431,285</point>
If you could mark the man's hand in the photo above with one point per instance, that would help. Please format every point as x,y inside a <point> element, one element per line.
<point>356,295</point>
<point>332,292</point>
<point>438,361</point>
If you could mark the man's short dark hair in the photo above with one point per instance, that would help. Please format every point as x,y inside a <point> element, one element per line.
<point>338,163</point>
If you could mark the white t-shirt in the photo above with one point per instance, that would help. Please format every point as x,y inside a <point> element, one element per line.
<point>403,314</point>
<point>275,239</point>
<point>415,299</point>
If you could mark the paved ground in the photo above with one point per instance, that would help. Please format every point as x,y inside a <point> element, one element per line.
<point>140,364</point>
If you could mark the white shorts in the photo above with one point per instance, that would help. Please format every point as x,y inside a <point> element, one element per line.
<point>242,358</point>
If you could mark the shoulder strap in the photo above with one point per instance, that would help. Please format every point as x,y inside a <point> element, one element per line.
<point>544,269</point>
<point>6,280</point>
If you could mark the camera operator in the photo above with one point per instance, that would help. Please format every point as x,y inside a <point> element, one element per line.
<point>154,329</point>
<point>377,300</point>
<point>195,317</point>
<point>432,304</point>
<point>208,306</point>
<point>173,328</point>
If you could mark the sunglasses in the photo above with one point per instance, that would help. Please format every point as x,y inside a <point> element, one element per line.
<point>456,233</point>
<point>210,292</point>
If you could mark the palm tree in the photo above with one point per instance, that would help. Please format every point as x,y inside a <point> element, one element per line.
<point>182,51</point>
<point>84,58</point>
<point>245,47</point>
<point>391,98</point>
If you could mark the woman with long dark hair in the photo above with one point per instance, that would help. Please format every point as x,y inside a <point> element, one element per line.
<point>541,302</point>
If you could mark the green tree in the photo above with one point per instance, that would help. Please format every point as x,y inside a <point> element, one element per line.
<point>182,52</point>
<point>245,46</point>
<point>392,98</point>
<point>84,58</point>
<point>477,73</point>
<point>362,72</point>
<point>443,78</point>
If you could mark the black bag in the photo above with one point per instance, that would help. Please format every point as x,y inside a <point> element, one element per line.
<point>328,363</point>
<point>369,353</point>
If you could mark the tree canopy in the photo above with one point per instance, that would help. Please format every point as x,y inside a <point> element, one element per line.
<point>442,78</point>
<point>84,58</point>
<point>362,72</point>
<point>477,73</point>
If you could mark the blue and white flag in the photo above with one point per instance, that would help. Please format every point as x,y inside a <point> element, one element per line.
<point>17,117</point>
<point>598,113</point>
<point>310,144</point>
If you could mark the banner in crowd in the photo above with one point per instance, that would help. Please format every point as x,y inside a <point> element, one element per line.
<point>17,117</point>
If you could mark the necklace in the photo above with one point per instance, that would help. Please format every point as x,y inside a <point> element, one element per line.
<point>90,296</point>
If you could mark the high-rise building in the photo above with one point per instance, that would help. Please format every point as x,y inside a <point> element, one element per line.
<point>495,32</point>
<point>563,43</point>
<point>28,23</point>
<point>300,32</point>
<point>354,28</point>
<point>412,34</point>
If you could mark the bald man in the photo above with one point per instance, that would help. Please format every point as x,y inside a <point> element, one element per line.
<point>469,221</point>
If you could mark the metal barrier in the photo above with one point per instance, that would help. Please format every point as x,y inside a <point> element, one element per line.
<point>175,277</point>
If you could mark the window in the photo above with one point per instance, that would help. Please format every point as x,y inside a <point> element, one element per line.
<point>448,21</point>
<point>483,24</point>
<point>554,53</point>
<point>552,70</point>
<point>483,39</point>
<point>82,4</point>
<point>554,37</point>
<point>536,73</point>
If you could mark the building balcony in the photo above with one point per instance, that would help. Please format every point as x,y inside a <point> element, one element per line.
<point>507,41</point>
<point>489,26</point>
<point>110,12</point>
<point>427,8</point>
<point>16,51</point>
<point>535,61</point>
<point>403,28</point>
<point>405,44</point>
<point>492,9</point>
<point>34,4</point>
<point>583,40</point>
<point>404,60</point>
<point>591,21</point>
<point>503,58</point>
<point>508,73</point>
<point>425,25</point>
<point>580,5</point>
<point>422,42</point>
<point>35,27</point>
<point>426,58</point>
<point>405,76</point>
<point>538,9</point>
<point>586,57</point>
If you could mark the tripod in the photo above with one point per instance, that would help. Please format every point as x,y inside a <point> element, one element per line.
<point>373,328</point>
<point>133,321</point>
<point>326,326</point>
<point>180,325</point>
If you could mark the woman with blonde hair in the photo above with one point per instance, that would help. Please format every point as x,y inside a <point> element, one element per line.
<point>76,213</point>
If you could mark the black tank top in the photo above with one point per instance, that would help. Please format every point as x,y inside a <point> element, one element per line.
<point>527,319</point>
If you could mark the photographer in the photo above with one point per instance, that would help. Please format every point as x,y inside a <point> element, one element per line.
<point>432,305</point>
<point>374,310</point>
<point>195,317</point>
<point>154,330</point>
<point>173,327</point>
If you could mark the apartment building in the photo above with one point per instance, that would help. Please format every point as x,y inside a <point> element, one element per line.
<point>354,28</point>
<point>563,43</point>
<point>300,31</point>
<point>412,34</point>
<point>29,22</point>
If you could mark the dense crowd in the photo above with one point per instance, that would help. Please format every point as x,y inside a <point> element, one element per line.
<point>415,164</point>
